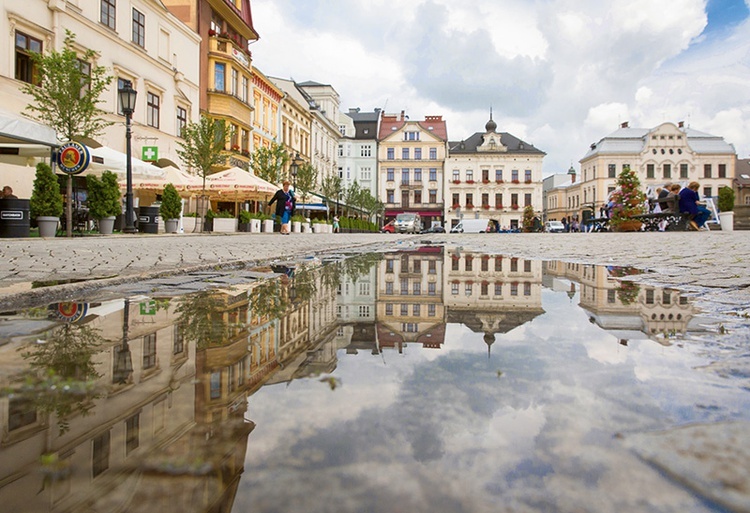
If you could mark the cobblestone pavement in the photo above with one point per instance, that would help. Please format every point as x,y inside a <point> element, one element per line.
<point>711,266</point>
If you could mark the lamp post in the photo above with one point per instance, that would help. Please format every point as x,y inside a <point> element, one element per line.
<point>126,96</point>
<point>293,169</point>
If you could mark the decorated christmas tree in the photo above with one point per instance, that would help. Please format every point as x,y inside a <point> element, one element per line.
<point>627,201</point>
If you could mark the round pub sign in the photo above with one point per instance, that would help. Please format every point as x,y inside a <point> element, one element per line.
<point>73,158</point>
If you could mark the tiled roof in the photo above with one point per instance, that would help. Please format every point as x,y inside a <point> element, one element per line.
<point>513,143</point>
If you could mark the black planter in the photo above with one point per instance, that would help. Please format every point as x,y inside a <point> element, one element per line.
<point>243,227</point>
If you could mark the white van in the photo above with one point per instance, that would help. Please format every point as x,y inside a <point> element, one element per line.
<point>471,226</point>
<point>408,223</point>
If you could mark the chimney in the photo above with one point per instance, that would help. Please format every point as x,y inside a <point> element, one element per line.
<point>624,125</point>
<point>681,124</point>
<point>402,115</point>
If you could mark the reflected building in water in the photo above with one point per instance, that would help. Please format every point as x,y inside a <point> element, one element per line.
<point>624,308</point>
<point>410,299</point>
<point>491,294</point>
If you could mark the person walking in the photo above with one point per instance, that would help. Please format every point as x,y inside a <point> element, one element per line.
<point>285,205</point>
<point>335,224</point>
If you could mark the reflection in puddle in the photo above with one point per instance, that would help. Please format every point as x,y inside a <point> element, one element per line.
<point>427,380</point>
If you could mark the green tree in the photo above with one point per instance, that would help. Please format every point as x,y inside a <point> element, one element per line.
<point>268,163</point>
<point>104,195</point>
<point>307,177</point>
<point>67,97</point>
<point>331,189</point>
<point>46,199</point>
<point>201,150</point>
<point>171,203</point>
<point>352,195</point>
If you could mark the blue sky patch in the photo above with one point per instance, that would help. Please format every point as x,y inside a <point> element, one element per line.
<point>723,14</point>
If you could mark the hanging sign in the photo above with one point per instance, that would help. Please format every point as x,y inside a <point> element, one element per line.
<point>70,312</point>
<point>73,158</point>
<point>150,153</point>
<point>147,307</point>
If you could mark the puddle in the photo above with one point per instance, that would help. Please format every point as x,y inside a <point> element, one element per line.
<point>423,380</point>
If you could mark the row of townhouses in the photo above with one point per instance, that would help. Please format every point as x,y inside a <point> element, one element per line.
<point>410,165</point>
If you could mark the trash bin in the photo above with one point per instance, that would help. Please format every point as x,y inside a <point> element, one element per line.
<point>148,219</point>
<point>15,218</point>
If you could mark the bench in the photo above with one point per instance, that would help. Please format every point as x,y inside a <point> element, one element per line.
<point>597,224</point>
<point>675,221</point>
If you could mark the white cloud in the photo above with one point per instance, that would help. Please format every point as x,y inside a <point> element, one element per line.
<point>563,73</point>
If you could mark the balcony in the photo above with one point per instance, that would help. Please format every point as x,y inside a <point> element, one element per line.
<point>229,48</point>
<point>408,185</point>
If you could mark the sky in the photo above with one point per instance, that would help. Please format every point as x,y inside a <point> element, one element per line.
<point>559,74</point>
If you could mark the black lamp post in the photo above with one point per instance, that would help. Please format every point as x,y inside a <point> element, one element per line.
<point>294,168</point>
<point>126,95</point>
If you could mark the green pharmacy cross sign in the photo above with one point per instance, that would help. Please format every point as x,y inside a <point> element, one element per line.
<point>150,153</point>
<point>148,307</point>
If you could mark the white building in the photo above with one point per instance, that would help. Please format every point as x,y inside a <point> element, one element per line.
<point>358,149</point>
<point>143,43</point>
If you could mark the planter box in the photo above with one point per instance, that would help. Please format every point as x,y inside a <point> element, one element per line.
<point>188,224</point>
<point>296,226</point>
<point>317,228</point>
<point>306,228</point>
<point>243,227</point>
<point>254,225</point>
<point>268,226</point>
<point>224,224</point>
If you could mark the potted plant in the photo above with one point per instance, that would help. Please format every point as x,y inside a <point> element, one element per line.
<point>104,200</point>
<point>726,208</point>
<point>266,222</point>
<point>170,208</point>
<point>223,222</point>
<point>627,201</point>
<point>244,224</point>
<point>46,202</point>
<point>297,220</point>
<point>189,222</point>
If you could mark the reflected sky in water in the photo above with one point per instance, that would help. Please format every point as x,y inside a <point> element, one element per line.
<point>430,380</point>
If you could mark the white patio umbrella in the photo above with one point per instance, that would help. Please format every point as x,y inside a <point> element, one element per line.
<point>105,158</point>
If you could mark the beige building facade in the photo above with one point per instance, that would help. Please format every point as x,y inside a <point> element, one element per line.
<point>143,43</point>
<point>266,111</point>
<point>492,175</point>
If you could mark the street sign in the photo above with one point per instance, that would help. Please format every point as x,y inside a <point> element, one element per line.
<point>150,153</point>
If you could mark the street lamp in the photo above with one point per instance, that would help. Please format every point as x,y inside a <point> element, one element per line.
<point>293,169</point>
<point>126,96</point>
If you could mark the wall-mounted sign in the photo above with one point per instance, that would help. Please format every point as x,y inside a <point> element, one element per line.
<point>73,158</point>
<point>147,307</point>
<point>150,153</point>
<point>70,312</point>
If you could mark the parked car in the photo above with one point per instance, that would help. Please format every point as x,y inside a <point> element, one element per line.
<point>408,223</point>
<point>471,226</point>
<point>434,229</point>
<point>389,227</point>
<point>554,227</point>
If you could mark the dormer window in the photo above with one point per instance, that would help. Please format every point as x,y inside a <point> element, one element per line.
<point>411,136</point>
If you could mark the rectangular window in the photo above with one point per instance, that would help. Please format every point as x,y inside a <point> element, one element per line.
<point>431,288</point>
<point>722,170</point>
<point>454,288</point>
<point>527,199</point>
<point>431,267</point>
<point>405,153</point>
<point>498,288</point>
<point>514,175</point>
<point>152,110</point>
<point>469,175</point>
<point>485,288</point>
<point>467,288</point>
<point>389,265</point>
<point>485,264</point>
<point>514,265</point>
<point>650,173</point>
<point>683,170</point>
<point>390,196</point>
<point>514,200</point>
<point>469,263</point>
<point>498,263</point>
<point>389,174</point>
<point>245,88</point>
<point>215,385</point>
<point>219,76</point>
<point>433,195</point>
<point>456,175</point>
<point>707,192</point>
<point>416,311</point>
<point>149,351</point>
<point>485,175</point>
<point>485,199</point>
<point>667,171</point>
<point>405,176</point>
<point>498,200</point>
<point>404,286</point>
<point>389,288</point>
<point>611,296</point>
<point>433,174</point>
<point>417,288</point>
<point>498,175</point>
<point>365,151</point>
<point>178,335</point>
<point>417,175</point>
<point>107,13</point>
<point>527,289</point>
<point>433,153</point>
<point>650,296</point>
<point>612,171</point>
<point>132,433</point>
<point>470,200</point>
<point>404,310</point>
<point>100,455</point>
<point>25,69</point>
<point>456,199</point>
<point>235,82</point>
<point>527,266</point>
<point>431,310</point>
<point>706,170</point>
<point>389,309</point>
<point>417,153</point>
<point>21,412</point>
<point>527,176</point>
<point>514,289</point>
<point>391,153</point>
<point>364,311</point>
<point>139,28</point>
<point>417,197</point>
<point>181,121</point>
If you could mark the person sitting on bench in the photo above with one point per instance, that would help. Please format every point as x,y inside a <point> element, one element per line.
<point>690,202</point>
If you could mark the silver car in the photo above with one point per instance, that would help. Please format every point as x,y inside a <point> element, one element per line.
<point>408,223</point>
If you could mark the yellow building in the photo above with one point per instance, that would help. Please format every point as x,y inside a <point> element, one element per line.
<point>266,111</point>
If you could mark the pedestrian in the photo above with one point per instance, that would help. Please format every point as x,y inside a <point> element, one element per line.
<point>285,205</point>
<point>335,224</point>
<point>690,202</point>
<point>8,193</point>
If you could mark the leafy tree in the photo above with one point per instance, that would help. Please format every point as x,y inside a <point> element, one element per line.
<point>331,189</point>
<point>66,98</point>
<point>201,148</point>
<point>528,219</point>
<point>352,195</point>
<point>307,177</point>
<point>46,199</point>
<point>104,195</point>
<point>268,163</point>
